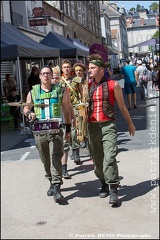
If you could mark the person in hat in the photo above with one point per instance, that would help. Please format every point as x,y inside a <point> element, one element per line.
<point>14,111</point>
<point>80,70</point>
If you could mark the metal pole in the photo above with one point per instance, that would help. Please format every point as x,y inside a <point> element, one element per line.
<point>21,94</point>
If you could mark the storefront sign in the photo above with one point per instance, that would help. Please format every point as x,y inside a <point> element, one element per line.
<point>38,22</point>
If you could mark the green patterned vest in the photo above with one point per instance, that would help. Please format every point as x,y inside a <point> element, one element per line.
<point>55,100</point>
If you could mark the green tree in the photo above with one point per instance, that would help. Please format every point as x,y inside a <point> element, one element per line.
<point>154,6</point>
<point>132,9</point>
<point>138,7</point>
<point>156,34</point>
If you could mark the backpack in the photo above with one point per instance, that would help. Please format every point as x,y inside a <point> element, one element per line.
<point>144,76</point>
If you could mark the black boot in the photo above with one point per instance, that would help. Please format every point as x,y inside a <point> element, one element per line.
<point>104,192</point>
<point>113,195</point>
<point>50,191</point>
<point>56,193</point>
<point>64,172</point>
<point>76,157</point>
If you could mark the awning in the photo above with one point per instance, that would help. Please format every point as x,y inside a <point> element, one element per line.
<point>151,42</point>
<point>67,49</point>
<point>77,43</point>
<point>15,44</point>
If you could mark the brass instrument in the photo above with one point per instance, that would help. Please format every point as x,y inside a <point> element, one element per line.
<point>81,120</point>
<point>81,108</point>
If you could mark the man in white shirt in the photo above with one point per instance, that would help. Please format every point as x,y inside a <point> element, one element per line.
<point>143,85</point>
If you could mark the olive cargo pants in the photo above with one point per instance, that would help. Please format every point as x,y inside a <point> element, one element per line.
<point>50,148</point>
<point>102,137</point>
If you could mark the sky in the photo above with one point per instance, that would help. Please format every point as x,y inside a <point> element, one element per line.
<point>130,4</point>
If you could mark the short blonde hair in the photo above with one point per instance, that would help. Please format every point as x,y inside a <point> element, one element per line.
<point>56,70</point>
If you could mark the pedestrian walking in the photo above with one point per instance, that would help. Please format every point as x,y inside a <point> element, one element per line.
<point>154,77</point>
<point>102,133</point>
<point>129,73</point>
<point>80,70</point>
<point>48,130</point>
<point>56,78</point>
<point>141,70</point>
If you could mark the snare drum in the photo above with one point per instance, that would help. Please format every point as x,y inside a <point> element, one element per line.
<point>46,126</point>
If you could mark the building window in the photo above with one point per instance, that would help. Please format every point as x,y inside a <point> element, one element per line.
<point>84,16</point>
<point>139,38</point>
<point>74,35</point>
<point>89,21</point>
<point>93,24</point>
<point>67,8</point>
<point>79,7</point>
<point>72,9</point>
<point>149,36</point>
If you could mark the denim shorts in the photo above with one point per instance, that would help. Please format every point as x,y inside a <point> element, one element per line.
<point>130,88</point>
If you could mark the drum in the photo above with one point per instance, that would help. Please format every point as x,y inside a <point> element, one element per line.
<point>42,127</point>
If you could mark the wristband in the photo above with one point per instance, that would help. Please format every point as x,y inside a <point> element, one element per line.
<point>68,127</point>
<point>28,112</point>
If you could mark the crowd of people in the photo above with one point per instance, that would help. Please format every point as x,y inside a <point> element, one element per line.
<point>139,73</point>
<point>74,108</point>
<point>78,95</point>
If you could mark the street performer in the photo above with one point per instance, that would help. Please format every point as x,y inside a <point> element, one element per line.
<point>74,85</point>
<point>50,142</point>
<point>102,133</point>
<point>80,70</point>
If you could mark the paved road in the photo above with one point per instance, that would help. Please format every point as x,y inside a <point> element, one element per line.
<point>27,212</point>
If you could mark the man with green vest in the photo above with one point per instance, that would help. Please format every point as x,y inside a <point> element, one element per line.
<point>47,99</point>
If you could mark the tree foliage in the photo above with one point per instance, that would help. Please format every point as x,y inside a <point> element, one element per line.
<point>156,34</point>
<point>138,7</point>
<point>154,6</point>
<point>132,9</point>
